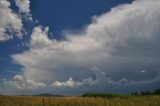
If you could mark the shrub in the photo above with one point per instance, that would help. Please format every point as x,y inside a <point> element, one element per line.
<point>103,95</point>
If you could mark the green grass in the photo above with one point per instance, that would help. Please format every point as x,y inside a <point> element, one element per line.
<point>80,101</point>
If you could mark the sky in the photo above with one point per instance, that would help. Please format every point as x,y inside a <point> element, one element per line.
<point>77,46</point>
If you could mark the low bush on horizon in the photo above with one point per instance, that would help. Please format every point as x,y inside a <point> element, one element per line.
<point>105,95</point>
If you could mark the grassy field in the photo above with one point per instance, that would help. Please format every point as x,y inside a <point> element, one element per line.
<point>79,101</point>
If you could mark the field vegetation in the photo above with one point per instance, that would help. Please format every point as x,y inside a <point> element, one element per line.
<point>85,100</point>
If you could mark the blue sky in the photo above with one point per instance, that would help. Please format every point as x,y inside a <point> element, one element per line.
<point>79,46</point>
<point>61,15</point>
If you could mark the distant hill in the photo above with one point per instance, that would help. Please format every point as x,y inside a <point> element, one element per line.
<point>48,95</point>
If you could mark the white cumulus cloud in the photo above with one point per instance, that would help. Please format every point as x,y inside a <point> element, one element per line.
<point>24,5</point>
<point>21,83</point>
<point>10,22</point>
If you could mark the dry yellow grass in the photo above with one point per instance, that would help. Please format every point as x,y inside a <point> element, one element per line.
<point>79,101</point>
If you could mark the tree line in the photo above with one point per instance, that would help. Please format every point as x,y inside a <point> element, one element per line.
<point>155,92</point>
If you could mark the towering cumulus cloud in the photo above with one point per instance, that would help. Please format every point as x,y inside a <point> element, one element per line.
<point>110,53</point>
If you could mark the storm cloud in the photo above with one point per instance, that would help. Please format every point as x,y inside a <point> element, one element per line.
<point>119,44</point>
